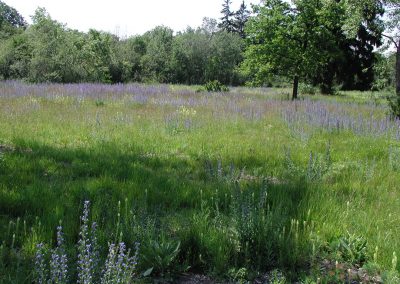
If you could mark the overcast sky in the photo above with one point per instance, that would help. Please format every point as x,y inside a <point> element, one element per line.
<point>126,17</point>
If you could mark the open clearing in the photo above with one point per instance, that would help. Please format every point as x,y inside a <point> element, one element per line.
<point>245,182</point>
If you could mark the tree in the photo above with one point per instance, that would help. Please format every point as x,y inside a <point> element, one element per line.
<point>47,38</point>
<point>97,56</point>
<point>10,21</point>
<point>226,53</point>
<point>227,23</point>
<point>157,60</point>
<point>209,25</point>
<point>393,27</point>
<point>289,40</point>
<point>131,52</point>
<point>191,52</point>
<point>15,57</point>
<point>351,59</point>
<point>355,8</point>
<point>384,71</point>
<point>241,18</point>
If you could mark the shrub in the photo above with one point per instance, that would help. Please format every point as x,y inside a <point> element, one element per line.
<point>308,89</point>
<point>215,86</point>
<point>394,105</point>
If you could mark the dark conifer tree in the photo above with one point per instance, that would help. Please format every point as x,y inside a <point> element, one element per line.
<point>241,17</point>
<point>352,60</point>
<point>227,22</point>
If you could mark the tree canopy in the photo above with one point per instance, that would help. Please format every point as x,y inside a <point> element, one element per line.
<point>289,40</point>
<point>10,20</point>
<point>305,40</point>
<point>326,43</point>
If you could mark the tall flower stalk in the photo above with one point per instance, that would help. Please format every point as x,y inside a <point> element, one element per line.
<point>87,250</point>
<point>119,266</point>
<point>59,261</point>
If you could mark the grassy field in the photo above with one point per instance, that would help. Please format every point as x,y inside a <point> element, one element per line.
<point>231,185</point>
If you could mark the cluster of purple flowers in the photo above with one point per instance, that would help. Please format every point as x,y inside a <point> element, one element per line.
<point>359,118</point>
<point>40,264</point>
<point>84,90</point>
<point>334,116</point>
<point>119,266</point>
<point>58,261</point>
<point>87,248</point>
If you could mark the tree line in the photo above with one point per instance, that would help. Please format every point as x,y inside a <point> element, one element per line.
<point>48,51</point>
<point>328,44</point>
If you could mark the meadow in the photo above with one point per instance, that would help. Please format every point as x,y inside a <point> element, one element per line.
<point>240,186</point>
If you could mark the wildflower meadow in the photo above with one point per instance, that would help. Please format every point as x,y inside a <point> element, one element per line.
<point>159,183</point>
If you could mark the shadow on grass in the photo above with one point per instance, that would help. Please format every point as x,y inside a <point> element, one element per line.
<point>221,221</point>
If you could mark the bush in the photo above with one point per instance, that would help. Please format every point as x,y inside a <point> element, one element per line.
<point>307,89</point>
<point>215,86</point>
<point>394,105</point>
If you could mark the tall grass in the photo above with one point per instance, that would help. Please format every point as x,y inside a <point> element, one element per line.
<point>226,184</point>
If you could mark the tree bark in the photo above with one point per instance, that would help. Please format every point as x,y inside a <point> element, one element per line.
<point>398,69</point>
<point>295,87</point>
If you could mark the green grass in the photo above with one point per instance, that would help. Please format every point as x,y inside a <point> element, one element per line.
<point>225,186</point>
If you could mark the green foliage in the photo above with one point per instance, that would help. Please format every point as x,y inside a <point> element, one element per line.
<point>48,51</point>
<point>156,61</point>
<point>11,22</point>
<point>394,106</point>
<point>353,249</point>
<point>384,71</point>
<point>55,51</point>
<point>97,56</point>
<point>15,56</point>
<point>351,59</point>
<point>199,57</point>
<point>287,42</point>
<point>234,22</point>
<point>221,190</point>
<point>308,41</point>
<point>227,23</point>
<point>241,17</point>
<point>307,89</point>
<point>191,53</point>
<point>159,256</point>
<point>225,56</point>
<point>215,86</point>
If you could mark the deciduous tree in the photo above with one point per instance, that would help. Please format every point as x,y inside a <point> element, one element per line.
<point>10,20</point>
<point>287,39</point>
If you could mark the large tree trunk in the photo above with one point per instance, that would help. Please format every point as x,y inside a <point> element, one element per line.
<point>295,87</point>
<point>398,69</point>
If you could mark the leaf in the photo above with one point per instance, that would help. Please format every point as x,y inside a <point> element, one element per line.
<point>148,272</point>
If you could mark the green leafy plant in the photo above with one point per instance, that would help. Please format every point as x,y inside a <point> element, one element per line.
<point>353,249</point>
<point>100,103</point>
<point>215,86</point>
<point>394,106</point>
<point>160,255</point>
<point>308,89</point>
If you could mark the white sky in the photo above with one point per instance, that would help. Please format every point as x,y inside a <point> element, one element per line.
<point>126,17</point>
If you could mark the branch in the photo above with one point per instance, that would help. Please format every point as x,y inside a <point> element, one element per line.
<point>391,39</point>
